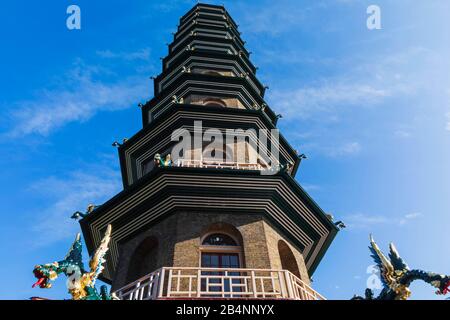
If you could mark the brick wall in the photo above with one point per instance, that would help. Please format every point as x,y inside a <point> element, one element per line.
<point>179,238</point>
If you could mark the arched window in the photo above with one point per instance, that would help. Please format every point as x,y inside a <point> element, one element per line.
<point>211,73</point>
<point>219,239</point>
<point>143,261</point>
<point>242,154</point>
<point>221,248</point>
<point>212,154</point>
<point>287,258</point>
<point>214,102</point>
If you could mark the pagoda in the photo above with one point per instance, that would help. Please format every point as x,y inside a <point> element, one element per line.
<point>202,223</point>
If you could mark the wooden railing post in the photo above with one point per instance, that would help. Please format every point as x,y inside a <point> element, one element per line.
<point>255,293</point>
<point>169,283</point>
<point>290,289</point>
<point>160,287</point>
<point>282,280</point>
<point>199,282</point>
<point>282,284</point>
<point>136,292</point>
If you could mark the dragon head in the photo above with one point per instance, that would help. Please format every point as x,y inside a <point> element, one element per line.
<point>45,273</point>
<point>49,272</point>
<point>442,283</point>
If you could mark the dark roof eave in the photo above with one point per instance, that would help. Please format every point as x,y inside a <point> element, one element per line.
<point>300,191</point>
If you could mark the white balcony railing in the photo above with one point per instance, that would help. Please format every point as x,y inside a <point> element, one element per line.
<point>219,164</point>
<point>215,283</point>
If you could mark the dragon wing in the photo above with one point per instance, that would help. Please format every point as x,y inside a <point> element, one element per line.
<point>98,259</point>
<point>75,252</point>
<point>396,260</point>
<point>386,268</point>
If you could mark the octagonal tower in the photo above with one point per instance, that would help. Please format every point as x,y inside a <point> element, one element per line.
<point>209,225</point>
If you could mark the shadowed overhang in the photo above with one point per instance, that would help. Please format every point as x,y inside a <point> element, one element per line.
<point>165,191</point>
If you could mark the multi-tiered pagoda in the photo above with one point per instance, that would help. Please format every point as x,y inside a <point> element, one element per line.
<point>205,224</point>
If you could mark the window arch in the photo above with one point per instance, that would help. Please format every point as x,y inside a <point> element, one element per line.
<point>209,153</point>
<point>143,260</point>
<point>221,247</point>
<point>218,239</point>
<point>245,149</point>
<point>211,73</point>
<point>287,258</point>
<point>214,102</point>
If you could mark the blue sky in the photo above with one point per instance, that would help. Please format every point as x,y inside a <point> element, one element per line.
<point>371,109</point>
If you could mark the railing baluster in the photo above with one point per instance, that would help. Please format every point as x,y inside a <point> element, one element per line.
<point>199,282</point>
<point>289,284</point>
<point>178,280</point>
<point>136,293</point>
<point>224,281</point>
<point>190,287</point>
<point>169,284</point>
<point>255,292</point>
<point>282,281</point>
<point>161,282</point>
<point>273,283</point>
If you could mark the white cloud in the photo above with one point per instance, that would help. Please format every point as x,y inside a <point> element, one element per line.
<point>277,17</point>
<point>80,95</point>
<point>142,54</point>
<point>367,221</point>
<point>413,215</point>
<point>363,221</point>
<point>66,195</point>
<point>326,97</point>
<point>409,216</point>
<point>349,148</point>
<point>270,20</point>
<point>310,187</point>
<point>367,81</point>
<point>402,133</point>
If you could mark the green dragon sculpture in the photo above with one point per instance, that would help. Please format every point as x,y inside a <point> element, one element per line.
<point>396,276</point>
<point>80,282</point>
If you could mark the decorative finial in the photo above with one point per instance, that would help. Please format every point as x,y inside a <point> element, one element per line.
<point>77,215</point>
<point>177,100</point>
<point>91,207</point>
<point>340,224</point>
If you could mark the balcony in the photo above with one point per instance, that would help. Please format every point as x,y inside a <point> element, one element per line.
<point>218,283</point>
<point>220,164</point>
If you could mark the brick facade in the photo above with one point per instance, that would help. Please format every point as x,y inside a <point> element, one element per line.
<point>179,240</point>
